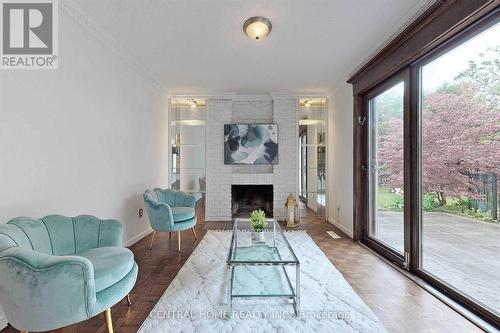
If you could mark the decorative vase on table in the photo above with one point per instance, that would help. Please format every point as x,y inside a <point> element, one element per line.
<point>258,223</point>
<point>258,237</point>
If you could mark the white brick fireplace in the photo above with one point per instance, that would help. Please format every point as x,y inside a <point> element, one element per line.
<point>219,177</point>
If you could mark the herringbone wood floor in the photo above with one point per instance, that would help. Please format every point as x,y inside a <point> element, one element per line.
<point>401,305</point>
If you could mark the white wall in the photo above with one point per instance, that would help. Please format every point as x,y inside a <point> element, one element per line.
<point>87,138</point>
<point>340,158</point>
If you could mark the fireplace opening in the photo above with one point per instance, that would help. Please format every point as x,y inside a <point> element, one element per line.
<point>247,198</point>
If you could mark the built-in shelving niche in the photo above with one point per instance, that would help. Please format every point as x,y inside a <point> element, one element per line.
<point>312,143</point>
<point>187,118</point>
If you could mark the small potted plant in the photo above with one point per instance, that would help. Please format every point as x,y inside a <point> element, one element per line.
<point>258,223</point>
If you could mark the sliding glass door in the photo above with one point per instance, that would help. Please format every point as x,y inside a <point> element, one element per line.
<point>430,166</point>
<point>386,113</point>
<point>460,159</point>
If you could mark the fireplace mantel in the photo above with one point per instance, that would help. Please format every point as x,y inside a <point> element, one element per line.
<point>252,179</point>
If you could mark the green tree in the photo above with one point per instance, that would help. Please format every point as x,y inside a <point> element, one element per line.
<point>484,73</point>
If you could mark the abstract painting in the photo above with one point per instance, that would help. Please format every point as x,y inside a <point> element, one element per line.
<point>250,144</point>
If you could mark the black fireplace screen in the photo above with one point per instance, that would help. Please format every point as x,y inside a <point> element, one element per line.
<point>246,198</point>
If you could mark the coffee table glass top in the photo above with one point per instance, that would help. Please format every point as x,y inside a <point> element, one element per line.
<point>272,249</point>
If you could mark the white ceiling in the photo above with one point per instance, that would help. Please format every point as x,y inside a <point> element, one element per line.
<point>199,46</point>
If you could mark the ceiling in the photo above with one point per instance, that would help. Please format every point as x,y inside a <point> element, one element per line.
<point>199,46</point>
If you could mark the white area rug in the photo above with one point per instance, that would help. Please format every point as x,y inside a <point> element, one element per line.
<point>195,301</point>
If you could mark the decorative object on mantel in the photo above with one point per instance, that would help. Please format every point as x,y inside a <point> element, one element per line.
<point>291,205</point>
<point>259,223</point>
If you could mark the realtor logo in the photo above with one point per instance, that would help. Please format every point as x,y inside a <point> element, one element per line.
<point>29,34</point>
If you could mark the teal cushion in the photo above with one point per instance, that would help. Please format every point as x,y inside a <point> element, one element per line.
<point>111,264</point>
<point>182,213</point>
<point>184,225</point>
<point>114,294</point>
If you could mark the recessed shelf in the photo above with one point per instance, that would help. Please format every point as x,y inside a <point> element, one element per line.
<point>189,122</point>
<point>312,102</point>
<point>309,122</point>
<point>187,145</point>
<point>188,169</point>
<point>312,107</point>
<point>313,145</point>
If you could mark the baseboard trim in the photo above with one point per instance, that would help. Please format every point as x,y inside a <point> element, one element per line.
<point>341,227</point>
<point>313,208</point>
<point>138,237</point>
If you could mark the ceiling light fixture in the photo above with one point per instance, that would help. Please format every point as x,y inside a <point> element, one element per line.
<point>257,27</point>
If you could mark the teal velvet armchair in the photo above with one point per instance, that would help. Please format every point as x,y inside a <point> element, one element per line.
<point>56,271</point>
<point>170,210</point>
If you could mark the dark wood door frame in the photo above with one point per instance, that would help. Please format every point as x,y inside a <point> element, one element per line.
<point>445,24</point>
<point>366,126</point>
<point>444,20</point>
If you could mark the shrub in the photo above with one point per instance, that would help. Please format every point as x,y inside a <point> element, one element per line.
<point>398,202</point>
<point>430,202</point>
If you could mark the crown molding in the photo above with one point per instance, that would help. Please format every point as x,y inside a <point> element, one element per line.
<point>250,98</point>
<point>409,24</point>
<point>221,95</point>
<point>281,95</point>
<point>74,11</point>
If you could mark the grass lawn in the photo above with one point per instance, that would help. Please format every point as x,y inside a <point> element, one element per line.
<point>386,198</point>
<point>386,201</point>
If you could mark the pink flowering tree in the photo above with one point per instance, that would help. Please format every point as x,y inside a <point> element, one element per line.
<point>461,135</point>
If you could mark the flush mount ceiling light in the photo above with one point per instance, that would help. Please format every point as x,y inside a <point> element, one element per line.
<point>257,27</point>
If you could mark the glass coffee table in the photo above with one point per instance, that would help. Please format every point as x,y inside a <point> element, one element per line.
<point>261,268</point>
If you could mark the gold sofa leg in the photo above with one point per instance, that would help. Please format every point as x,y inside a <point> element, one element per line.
<point>152,240</point>
<point>128,300</point>
<point>109,321</point>
<point>179,240</point>
<point>24,331</point>
<point>194,233</point>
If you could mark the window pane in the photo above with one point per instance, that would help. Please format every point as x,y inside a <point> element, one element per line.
<point>460,103</point>
<point>386,167</point>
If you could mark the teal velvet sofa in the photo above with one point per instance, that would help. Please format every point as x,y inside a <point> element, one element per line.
<point>56,271</point>
<point>170,210</point>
